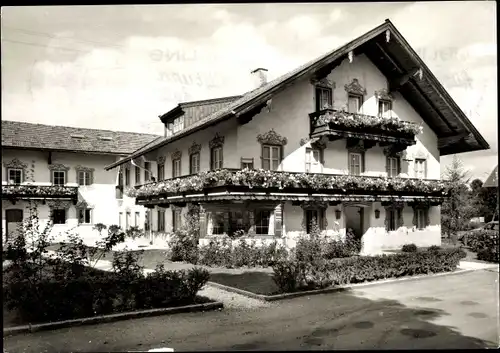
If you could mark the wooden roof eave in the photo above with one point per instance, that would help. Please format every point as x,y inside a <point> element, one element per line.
<point>441,91</point>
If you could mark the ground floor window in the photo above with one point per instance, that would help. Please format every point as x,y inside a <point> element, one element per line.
<point>217,219</point>
<point>262,219</point>
<point>176,220</point>
<point>59,216</point>
<point>161,220</point>
<point>420,218</point>
<point>220,222</point>
<point>127,220</point>
<point>137,217</point>
<point>315,215</point>
<point>120,216</point>
<point>84,216</point>
<point>393,219</point>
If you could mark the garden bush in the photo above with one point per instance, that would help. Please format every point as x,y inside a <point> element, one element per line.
<point>44,289</point>
<point>183,246</point>
<point>433,248</point>
<point>86,296</point>
<point>485,244</point>
<point>295,275</point>
<point>409,248</point>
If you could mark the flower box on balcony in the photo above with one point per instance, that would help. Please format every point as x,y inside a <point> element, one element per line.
<point>39,191</point>
<point>273,181</point>
<point>355,122</point>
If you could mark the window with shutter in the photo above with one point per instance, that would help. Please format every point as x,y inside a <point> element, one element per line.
<point>161,171</point>
<point>58,177</point>
<point>137,176</point>
<point>176,168</point>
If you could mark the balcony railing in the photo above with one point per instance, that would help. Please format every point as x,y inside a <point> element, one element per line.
<point>18,191</point>
<point>331,121</point>
<point>271,181</point>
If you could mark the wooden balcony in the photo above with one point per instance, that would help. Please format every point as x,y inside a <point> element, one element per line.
<point>232,184</point>
<point>343,125</point>
<point>26,192</point>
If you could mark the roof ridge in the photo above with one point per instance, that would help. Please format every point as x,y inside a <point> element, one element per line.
<point>211,100</point>
<point>79,128</point>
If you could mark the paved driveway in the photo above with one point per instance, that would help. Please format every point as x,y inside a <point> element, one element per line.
<point>459,311</point>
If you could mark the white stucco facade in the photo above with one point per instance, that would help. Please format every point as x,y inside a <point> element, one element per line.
<point>288,116</point>
<point>100,197</point>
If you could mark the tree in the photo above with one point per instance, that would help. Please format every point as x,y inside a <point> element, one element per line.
<point>458,209</point>
<point>477,197</point>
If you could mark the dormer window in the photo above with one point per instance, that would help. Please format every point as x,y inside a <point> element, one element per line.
<point>175,126</point>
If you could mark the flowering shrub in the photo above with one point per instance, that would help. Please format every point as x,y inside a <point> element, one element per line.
<point>259,178</point>
<point>361,122</point>
<point>183,246</point>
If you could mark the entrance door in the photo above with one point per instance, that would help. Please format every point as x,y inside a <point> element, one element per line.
<point>14,219</point>
<point>354,219</point>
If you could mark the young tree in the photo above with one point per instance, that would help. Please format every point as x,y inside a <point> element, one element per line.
<point>458,209</point>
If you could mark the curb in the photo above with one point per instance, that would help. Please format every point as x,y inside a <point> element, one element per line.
<point>11,331</point>
<point>344,288</point>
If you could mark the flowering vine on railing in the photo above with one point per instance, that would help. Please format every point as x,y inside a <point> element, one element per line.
<point>39,190</point>
<point>258,178</point>
<point>361,121</point>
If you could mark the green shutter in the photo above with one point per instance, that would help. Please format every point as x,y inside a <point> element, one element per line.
<point>362,162</point>
<point>387,165</point>
<point>398,162</point>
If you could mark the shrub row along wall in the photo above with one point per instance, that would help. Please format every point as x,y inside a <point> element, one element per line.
<point>100,293</point>
<point>293,274</point>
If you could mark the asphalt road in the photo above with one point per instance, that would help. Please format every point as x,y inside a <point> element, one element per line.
<point>459,311</point>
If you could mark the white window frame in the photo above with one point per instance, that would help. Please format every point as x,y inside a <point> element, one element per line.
<point>176,168</point>
<point>137,177</point>
<point>419,169</point>
<point>274,156</point>
<point>324,97</point>
<point>351,166</point>
<point>259,227</point>
<point>137,217</point>
<point>388,108</point>
<point>313,164</point>
<point>393,170</point>
<point>358,99</point>
<point>194,163</point>
<point>216,158</point>
<point>54,177</point>
<point>128,220</point>
<point>84,210</point>
<point>87,177</point>
<point>11,181</point>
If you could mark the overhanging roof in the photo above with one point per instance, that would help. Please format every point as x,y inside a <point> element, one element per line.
<point>395,59</point>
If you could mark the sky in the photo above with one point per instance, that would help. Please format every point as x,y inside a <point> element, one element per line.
<point>120,67</point>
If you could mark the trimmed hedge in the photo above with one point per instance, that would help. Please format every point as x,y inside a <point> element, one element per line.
<point>91,295</point>
<point>293,275</point>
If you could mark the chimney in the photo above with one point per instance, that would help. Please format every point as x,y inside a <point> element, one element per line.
<point>260,76</point>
